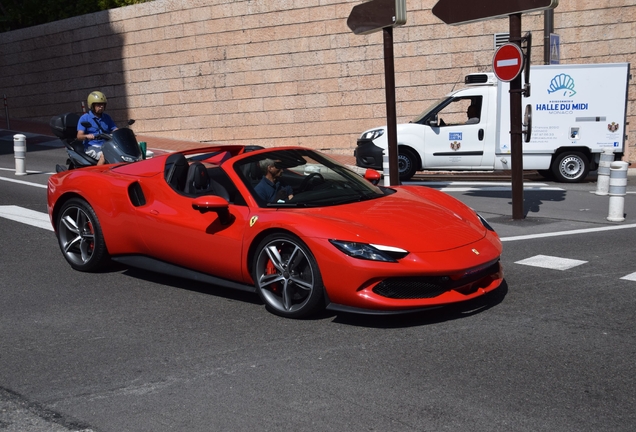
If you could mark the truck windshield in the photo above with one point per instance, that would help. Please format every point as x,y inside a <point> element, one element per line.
<point>427,111</point>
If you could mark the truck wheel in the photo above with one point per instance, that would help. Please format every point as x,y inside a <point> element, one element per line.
<point>408,163</point>
<point>570,167</point>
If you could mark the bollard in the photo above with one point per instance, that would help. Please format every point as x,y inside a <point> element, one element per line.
<point>617,191</point>
<point>19,150</point>
<point>602,182</point>
<point>385,170</point>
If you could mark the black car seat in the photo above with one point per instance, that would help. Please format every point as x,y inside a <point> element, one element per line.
<point>198,180</point>
<point>199,183</point>
<point>176,171</point>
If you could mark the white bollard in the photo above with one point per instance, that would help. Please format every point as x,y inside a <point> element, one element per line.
<point>19,150</point>
<point>385,170</point>
<point>617,191</point>
<point>602,182</point>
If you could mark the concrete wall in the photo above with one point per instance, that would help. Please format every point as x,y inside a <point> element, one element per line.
<point>285,72</point>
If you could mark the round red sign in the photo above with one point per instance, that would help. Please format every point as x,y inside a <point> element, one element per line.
<point>507,62</point>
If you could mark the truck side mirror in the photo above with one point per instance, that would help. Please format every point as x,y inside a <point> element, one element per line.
<point>434,122</point>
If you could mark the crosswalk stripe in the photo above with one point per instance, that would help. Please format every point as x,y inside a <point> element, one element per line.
<point>551,262</point>
<point>26,216</point>
<point>630,277</point>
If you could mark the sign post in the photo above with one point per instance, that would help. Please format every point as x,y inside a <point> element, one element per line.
<point>383,15</point>
<point>507,65</point>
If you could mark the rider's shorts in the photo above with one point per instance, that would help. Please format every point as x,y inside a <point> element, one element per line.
<point>94,152</point>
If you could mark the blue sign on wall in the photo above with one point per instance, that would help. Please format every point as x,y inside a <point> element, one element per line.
<point>555,48</point>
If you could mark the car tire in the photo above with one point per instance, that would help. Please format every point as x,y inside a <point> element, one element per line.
<point>80,236</point>
<point>286,276</point>
<point>408,163</point>
<point>570,167</point>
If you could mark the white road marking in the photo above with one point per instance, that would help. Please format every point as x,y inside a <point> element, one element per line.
<point>471,186</point>
<point>26,216</point>
<point>496,189</point>
<point>22,182</point>
<point>571,232</point>
<point>28,171</point>
<point>551,262</point>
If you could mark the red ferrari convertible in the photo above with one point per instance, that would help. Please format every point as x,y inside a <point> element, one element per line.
<point>311,235</point>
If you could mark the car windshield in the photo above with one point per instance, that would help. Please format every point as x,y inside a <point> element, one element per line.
<point>303,178</point>
<point>420,117</point>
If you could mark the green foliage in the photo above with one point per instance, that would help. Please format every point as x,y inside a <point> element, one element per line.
<point>16,14</point>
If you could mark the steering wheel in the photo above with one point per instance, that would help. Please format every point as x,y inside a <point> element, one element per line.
<point>309,181</point>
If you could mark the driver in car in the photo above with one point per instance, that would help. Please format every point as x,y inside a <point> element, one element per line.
<point>270,187</point>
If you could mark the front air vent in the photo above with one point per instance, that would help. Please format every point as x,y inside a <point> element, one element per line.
<point>136,195</point>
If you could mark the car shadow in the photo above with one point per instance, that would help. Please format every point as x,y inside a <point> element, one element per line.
<point>407,319</point>
<point>427,317</point>
<point>188,284</point>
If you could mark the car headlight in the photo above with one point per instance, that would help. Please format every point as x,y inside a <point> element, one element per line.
<point>372,134</point>
<point>370,251</point>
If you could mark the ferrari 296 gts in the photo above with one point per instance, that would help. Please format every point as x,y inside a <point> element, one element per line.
<point>333,240</point>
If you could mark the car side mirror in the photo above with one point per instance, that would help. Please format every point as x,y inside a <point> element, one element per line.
<point>372,176</point>
<point>434,122</point>
<point>215,204</point>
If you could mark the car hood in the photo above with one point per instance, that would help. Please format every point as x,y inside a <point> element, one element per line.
<point>414,218</point>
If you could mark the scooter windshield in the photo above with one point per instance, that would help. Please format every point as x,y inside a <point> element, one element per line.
<point>125,141</point>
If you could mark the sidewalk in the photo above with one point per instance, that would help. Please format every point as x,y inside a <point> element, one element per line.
<point>37,132</point>
<point>155,144</point>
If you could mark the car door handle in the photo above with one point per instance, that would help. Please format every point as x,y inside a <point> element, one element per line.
<point>480,135</point>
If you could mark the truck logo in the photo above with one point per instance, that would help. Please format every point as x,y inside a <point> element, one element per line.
<point>562,82</point>
<point>455,145</point>
<point>612,127</point>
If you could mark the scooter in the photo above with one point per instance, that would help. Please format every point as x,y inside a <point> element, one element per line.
<point>119,147</point>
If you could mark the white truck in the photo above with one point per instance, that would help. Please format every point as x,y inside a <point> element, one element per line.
<point>577,112</point>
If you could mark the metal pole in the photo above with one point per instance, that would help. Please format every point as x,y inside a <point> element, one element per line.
<point>391,118</point>
<point>548,29</point>
<point>516,128</point>
<point>6,111</point>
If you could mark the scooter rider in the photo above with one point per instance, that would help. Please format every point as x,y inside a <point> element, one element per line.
<point>100,123</point>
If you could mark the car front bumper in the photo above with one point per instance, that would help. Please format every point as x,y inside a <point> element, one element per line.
<point>368,155</point>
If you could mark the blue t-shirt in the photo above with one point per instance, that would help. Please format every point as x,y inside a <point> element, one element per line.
<point>106,124</point>
<point>269,191</point>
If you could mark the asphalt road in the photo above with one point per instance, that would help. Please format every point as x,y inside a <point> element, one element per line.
<point>126,350</point>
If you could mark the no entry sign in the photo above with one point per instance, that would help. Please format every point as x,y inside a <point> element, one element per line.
<point>507,62</point>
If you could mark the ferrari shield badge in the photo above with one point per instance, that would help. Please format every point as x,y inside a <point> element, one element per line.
<point>253,220</point>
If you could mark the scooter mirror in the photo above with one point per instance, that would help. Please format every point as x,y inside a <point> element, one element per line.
<point>131,122</point>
